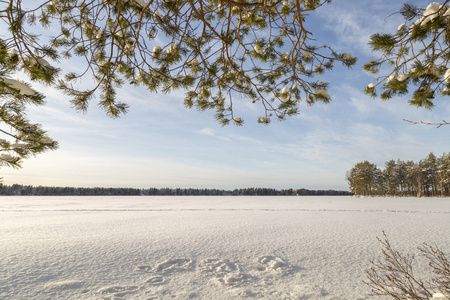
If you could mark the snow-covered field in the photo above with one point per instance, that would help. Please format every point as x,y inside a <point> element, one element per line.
<point>205,247</point>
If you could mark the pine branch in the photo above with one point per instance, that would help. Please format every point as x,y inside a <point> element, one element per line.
<point>427,123</point>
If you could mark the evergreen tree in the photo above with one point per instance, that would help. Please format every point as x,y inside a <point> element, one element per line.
<point>402,176</point>
<point>21,138</point>
<point>429,166</point>
<point>215,49</point>
<point>391,177</point>
<point>443,174</point>
<point>417,54</point>
<point>429,177</point>
<point>364,179</point>
<point>379,182</point>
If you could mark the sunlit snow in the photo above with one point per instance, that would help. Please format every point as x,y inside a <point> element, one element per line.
<point>206,247</point>
<point>16,84</point>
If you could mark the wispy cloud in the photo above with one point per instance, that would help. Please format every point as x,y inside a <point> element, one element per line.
<point>354,24</point>
<point>249,140</point>
<point>212,133</point>
<point>207,132</point>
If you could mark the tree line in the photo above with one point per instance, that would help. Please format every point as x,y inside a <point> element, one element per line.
<point>29,190</point>
<point>429,177</point>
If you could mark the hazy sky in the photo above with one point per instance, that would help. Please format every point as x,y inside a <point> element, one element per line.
<point>160,143</point>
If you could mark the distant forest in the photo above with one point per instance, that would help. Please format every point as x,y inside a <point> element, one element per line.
<point>28,190</point>
<point>430,177</point>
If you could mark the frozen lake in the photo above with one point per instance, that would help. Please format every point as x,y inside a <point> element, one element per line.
<point>205,247</point>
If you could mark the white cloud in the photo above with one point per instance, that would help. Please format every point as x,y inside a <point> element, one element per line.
<point>212,133</point>
<point>249,139</point>
<point>355,26</point>
<point>207,132</point>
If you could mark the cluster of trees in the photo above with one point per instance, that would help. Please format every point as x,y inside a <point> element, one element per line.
<point>288,192</point>
<point>184,192</point>
<point>28,190</point>
<point>218,51</point>
<point>428,177</point>
<point>245,192</point>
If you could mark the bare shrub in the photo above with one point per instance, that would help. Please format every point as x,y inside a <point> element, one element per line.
<point>394,276</point>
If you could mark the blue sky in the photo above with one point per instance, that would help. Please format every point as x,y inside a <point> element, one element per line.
<point>160,143</point>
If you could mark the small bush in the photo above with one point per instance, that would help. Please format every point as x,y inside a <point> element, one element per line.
<point>393,275</point>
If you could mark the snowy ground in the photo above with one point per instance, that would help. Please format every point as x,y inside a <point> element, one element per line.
<point>205,247</point>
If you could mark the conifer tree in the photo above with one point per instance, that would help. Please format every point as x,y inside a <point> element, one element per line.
<point>391,177</point>
<point>443,173</point>
<point>21,138</point>
<point>365,179</point>
<point>417,54</point>
<point>216,50</point>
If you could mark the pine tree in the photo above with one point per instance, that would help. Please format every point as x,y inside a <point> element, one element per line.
<point>21,138</point>
<point>429,167</point>
<point>391,177</point>
<point>417,54</point>
<point>443,173</point>
<point>216,50</point>
<point>365,179</point>
<point>401,171</point>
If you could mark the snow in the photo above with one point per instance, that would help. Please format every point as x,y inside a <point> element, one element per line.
<point>402,77</point>
<point>258,49</point>
<point>430,13</point>
<point>142,3</point>
<point>46,140</point>
<point>43,62</point>
<point>156,50</point>
<point>347,56</point>
<point>447,12</point>
<point>170,49</point>
<point>440,296</point>
<point>411,71</point>
<point>99,34</point>
<point>206,247</point>
<point>17,146</point>
<point>447,76</point>
<point>193,62</point>
<point>16,84</point>
<point>6,157</point>
<point>323,93</point>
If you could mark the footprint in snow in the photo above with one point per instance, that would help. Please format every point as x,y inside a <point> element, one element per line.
<point>156,280</point>
<point>232,279</point>
<point>216,265</point>
<point>144,268</point>
<point>117,291</point>
<point>182,264</point>
<point>310,291</point>
<point>270,262</point>
<point>249,294</point>
<point>224,271</point>
<point>273,263</point>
